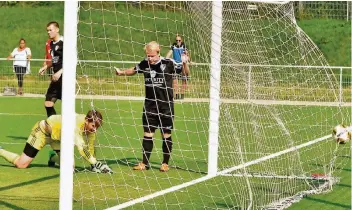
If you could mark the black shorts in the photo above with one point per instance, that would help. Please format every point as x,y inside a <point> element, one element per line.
<point>54,91</point>
<point>152,121</point>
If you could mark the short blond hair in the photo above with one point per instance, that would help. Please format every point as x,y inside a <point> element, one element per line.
<point>151,46</point>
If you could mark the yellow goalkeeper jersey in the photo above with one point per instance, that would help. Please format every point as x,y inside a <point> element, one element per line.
<point>84,142</point>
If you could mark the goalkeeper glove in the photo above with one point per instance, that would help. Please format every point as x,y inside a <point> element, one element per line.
<point>100,167</point>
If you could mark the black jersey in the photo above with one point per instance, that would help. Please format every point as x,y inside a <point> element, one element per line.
<point>158,84</point>
<point>56,51</point>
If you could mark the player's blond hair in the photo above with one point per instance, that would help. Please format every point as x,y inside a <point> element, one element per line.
<point>152,46</point>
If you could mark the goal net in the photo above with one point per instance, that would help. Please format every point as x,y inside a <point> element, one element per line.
<point>278,102</point>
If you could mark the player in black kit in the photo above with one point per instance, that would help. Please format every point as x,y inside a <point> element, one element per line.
<point>158,109</point>
<point>56,50</point>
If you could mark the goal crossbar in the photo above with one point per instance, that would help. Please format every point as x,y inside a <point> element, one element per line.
<point>223,172</point>
<point>222,64</point>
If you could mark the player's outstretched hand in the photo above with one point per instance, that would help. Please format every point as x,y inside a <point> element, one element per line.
<point>55,77</point>
<point>100,167</point>
<point>118,71</point>
<point>42,70</point>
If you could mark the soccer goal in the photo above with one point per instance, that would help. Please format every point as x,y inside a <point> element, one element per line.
<point>253,130</point>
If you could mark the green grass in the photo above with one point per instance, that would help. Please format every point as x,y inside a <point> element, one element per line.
<point>121,134</point>
<point>28,23</point>
<point>125,43</point>
<point>334,42</point>
<point>333,37</point>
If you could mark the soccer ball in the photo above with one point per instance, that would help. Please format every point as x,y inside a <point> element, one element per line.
<point>341,134</point>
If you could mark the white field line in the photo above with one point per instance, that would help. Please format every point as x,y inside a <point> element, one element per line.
<point>21,114</point>
<point>204,100</point>
<point>223,172</point>
<point>279,176</point>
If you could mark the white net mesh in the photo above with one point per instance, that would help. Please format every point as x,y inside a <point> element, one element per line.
<point>264,109</point>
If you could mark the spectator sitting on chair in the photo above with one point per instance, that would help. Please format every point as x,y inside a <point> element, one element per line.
<point>21,56</point>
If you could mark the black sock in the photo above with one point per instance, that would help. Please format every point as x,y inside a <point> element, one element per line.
<point>182,96</point>
<point>147,149</point>
<point>167,149</point>
<point>176,96</point>
<point>50,111</point>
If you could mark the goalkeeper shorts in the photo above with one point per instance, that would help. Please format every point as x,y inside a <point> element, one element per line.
<point>38,139</point>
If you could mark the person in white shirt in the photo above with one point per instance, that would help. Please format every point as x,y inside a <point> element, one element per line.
<point>21,56</point>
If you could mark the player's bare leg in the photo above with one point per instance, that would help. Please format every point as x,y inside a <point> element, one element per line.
<point>20,91</point>
<point>185,73</point>
<point>184,86</point>
<point>22,161</point>
<point>9,156</point>
<point>185,69</point>
<point>49,106</point>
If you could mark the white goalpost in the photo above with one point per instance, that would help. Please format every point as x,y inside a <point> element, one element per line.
<point>68,105</point>
<point>214,95</point>
<point>254,128</point>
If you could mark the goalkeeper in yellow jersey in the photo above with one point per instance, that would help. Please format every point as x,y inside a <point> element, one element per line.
<point>49,132</point>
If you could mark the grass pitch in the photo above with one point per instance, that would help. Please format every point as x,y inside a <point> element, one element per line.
<point>119,145</point>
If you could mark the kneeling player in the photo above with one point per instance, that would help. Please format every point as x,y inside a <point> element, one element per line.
<point>49,132</point>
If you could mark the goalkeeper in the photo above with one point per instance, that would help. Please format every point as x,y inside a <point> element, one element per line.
<point>49,132</point>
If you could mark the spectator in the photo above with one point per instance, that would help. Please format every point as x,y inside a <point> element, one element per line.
<point>21,56</point>
<point>180,54</point>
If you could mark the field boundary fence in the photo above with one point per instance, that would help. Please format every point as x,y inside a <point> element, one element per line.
<point>101,79</point>
<point>323,9</point>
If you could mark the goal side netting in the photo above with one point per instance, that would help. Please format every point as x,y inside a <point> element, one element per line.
<point>278,102</point>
